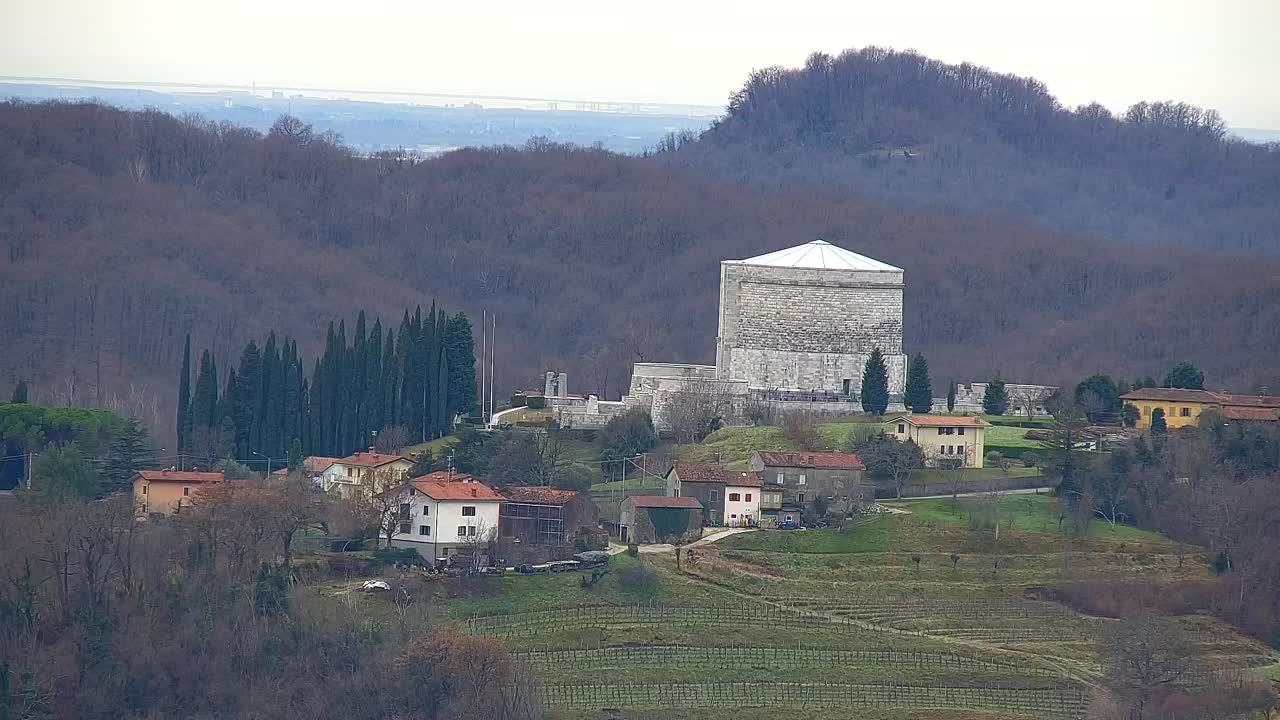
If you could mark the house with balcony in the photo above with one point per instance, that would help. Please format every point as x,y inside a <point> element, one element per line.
<point>345,476</point>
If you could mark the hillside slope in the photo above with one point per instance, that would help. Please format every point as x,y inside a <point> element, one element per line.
<point>913,131</point>
<point>121,231</point>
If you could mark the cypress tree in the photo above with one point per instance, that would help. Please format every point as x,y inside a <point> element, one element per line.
<point>390,381</point>
<point>318,446</point>
<point>358,380</point>
<point>460,353</point>
<point>918,395</point>
<point>204,403</point>
<point>373,387</point>
<point>248,399</point>
<point>19,393</point>
<point>951,396</point>
<point>304,420</point>
<point>875,384</point>
<point>405,358</point>
<point>184,399</point>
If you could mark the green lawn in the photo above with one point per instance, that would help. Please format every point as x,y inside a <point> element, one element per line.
<point>1008,436</point>
<point>732,446</point>
<point>436,446</point>
<point>1026,513</point>
<point>968,475</point>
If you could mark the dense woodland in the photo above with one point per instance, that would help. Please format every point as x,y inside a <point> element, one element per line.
<point>123,232</point>
<point>919,132</point>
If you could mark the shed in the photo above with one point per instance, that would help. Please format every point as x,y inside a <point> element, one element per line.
<point>660,519</point>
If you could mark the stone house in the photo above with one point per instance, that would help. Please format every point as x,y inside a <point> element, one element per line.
<point>728,497</point>
<point>804,476</point>
<point>168,491</point>
<point>958,440</point>
<point>660,519</point>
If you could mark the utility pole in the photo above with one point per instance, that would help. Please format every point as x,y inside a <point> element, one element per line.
<point>30,459</point>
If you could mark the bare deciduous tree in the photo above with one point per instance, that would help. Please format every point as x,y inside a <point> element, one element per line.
<point>699,409</point>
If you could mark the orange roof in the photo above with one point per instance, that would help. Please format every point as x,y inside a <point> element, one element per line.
<point>179,476</point>
<point>743,479</point>
<point>537,495</point>
<point>664,501</point>
<point>944,421</point>
<point>456,490</point>
<point>1263,401</point>
<point>699,472</point>
<point>370,459</point>
<point>829,460</point>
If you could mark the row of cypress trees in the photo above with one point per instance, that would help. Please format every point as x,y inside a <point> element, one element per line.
<point>917,395</point>
<point>418,377</point>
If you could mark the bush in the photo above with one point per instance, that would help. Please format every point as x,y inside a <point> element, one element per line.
<point>994,458</point>
<point>394,555</point>
<point>633,550</point>
<point>1030,459</point>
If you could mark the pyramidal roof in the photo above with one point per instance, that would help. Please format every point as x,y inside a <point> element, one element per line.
<point>821,255</point>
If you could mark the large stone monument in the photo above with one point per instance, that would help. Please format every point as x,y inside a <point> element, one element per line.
<point>807,318</point>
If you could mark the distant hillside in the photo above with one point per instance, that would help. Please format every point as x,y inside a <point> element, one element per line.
<point>914,131</point>
<point>121,231</point>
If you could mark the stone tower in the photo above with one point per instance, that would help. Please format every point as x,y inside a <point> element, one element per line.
<point>807,318</point>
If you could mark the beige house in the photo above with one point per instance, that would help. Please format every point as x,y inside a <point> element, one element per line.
<point>168,491</point>
<point>345,475</point>
<point>945,439</point>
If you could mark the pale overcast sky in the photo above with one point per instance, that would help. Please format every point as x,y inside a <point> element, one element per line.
<point>1215,53</point>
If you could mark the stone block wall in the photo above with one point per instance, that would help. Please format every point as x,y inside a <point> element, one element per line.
<point>808,328</point>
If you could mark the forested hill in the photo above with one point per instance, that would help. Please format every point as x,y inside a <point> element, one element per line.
<point>914,131</point>
<point>122,231</point>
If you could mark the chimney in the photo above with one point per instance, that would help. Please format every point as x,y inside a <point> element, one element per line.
<point>371,449</point>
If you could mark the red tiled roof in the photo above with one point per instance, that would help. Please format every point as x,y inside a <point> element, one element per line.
<point>370,459</point>
<point>1171,395</point>
<point>312,464</point>
<point>743,479</point>
<point>1258,401</point>
<point>447,476</point>
<point>536,495</point>
<point>830,460</point>
<point>1236,412</point>
<point>699,472</point>
<point>663,501</point>
<point>943,420</point>
<point>181,476</point>
<point>456,490</point>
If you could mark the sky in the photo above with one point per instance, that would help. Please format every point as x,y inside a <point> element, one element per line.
<point>1222,54</point>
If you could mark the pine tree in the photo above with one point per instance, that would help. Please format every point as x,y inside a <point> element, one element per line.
<point>373,386</point>
<point>951,396</point>
<point>875,384</point>
<point>127,454</point>
<point>995,401</point>
<point>919,391</point>
<point>19,393</point>
<point>295,455</point>
<point>184,399</point>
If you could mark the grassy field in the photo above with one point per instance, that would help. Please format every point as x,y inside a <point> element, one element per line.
<point>1007,436</point>
<point>969,475</point>
<point>733,446</point>
<point>437,446</point>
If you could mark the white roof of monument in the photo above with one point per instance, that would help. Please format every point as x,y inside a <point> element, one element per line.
<point>820,255</point>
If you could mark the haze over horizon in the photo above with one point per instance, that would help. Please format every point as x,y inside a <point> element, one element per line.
<point>1114,54</point>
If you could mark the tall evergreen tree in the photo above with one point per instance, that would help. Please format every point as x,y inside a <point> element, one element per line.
<point>248,393</point>
<point>1184,375</point>
<point>875,384</point>
<point>995,401</point>
<point>461,355</point>
<point>184,399</point>
<point>919,391</point>
<point>951,396</point>
<point>390,381</point>
<point>204,402</point>
<point>126,455</point>
<point>358,374</point>
<point>19,392</point>
<point>373,386</point>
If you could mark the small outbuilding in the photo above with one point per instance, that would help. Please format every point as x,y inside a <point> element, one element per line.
<point>660,519</point>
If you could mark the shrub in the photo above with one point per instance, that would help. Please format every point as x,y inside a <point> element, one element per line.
<point>995,458</point>
<point>638,579</point>
<point>633,550</point>
<point>394,555</point>
<point>1030,459</point>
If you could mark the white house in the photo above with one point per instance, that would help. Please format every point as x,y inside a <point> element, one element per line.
<point>742,499</point>
<point>344,475</point>
<point>444,514</point>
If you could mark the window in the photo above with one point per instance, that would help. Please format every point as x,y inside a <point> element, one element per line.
<point>734,497</point>
<point>902,427</point>
<point>405,528</point>
<point>426,510</point>
<point>349,473</point>
<point>144,489</point>
<point>801,478</point>
<point>801,498</point>
<point>940,431</point>
<point>462,531</point>
<point>424,530</point>
<point>951,431</point>
<point>471,531</point>
<point>748,498</point>
<point>468,511</point>
<point>713,494</point>
<point>960,431</point>
<point>734,516</point>
<point>1186,412</point>
<point>186,492</point>
<point>779,480</point>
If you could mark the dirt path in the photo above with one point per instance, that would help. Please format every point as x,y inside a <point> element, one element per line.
<point>713,537</point>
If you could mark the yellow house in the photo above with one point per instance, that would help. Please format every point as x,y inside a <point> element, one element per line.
<point>957,438</point>
<point>168,491</point>
<point>1183,407</point>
